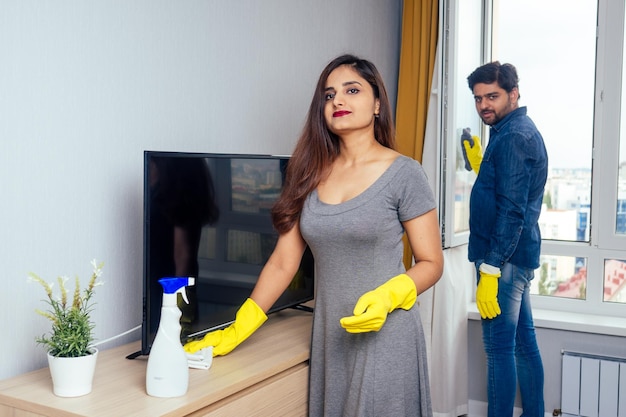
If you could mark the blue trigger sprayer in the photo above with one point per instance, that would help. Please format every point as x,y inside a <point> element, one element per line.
<point>167,373</point>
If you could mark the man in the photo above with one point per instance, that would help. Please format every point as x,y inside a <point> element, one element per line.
<point>505,240</point>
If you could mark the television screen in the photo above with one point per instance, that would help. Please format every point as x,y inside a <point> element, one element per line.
<point>208,216</point>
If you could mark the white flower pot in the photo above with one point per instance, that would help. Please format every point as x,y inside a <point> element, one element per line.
<point>72,377</point>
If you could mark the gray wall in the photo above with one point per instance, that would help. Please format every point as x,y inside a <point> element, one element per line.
<point>87,86</point>
<point>551,343</point>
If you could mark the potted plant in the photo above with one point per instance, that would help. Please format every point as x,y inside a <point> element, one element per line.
<point>71,357</point>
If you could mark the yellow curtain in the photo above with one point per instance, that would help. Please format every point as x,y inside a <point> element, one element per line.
<point>417,61</point>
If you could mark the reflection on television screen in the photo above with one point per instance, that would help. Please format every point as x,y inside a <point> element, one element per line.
<point>208,216</point>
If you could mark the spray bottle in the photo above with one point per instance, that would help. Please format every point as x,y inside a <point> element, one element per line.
<point>167,374</point>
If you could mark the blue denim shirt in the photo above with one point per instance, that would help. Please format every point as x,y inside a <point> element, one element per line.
<point>506,198</point>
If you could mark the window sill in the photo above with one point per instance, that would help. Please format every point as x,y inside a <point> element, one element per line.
<point>575,322</point>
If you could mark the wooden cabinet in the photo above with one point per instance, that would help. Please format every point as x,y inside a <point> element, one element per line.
<point>265,376</point>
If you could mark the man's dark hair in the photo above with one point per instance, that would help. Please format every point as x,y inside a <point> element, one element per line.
<point>504,74</point>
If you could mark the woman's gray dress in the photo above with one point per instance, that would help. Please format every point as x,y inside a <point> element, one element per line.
<point>357,246</point>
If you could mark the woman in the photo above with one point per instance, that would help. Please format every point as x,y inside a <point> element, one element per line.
<point>350,196</point>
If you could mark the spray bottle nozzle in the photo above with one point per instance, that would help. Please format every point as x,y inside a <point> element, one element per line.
<point>173,285</point>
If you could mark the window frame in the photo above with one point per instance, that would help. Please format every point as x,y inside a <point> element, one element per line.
<point>448,127</point>
<point>610,41</point>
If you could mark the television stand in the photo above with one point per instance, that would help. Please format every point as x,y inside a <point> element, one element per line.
<point>302,307</point>
<point>135,355</point>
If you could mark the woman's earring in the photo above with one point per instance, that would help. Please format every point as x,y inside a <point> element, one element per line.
<point>377,115</point>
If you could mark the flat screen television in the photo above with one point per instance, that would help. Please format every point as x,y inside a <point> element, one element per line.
<point>207,216</point>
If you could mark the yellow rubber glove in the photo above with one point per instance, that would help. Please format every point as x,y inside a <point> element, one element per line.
<point>487,291</point>
<point>370,311</point>
<point>249,318</point>
<point>472,151</point>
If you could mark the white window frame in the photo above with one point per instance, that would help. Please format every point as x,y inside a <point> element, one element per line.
<point>609,64</point>
<point>448,127</point>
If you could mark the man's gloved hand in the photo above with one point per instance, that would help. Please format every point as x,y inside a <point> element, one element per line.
<point>249,318</point>
<point>487,291</point>
<point>472,151</point>
<point>370,311</point>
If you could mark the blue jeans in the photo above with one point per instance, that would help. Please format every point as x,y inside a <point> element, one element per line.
<point>511,348</point>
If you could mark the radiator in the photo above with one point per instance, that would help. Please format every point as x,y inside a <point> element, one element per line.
<point>592,385</point>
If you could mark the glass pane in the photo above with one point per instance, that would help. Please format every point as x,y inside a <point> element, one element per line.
<point>568,190</point>
<point>561,276</point>
<point>468,56</point>
<point>615,281</point>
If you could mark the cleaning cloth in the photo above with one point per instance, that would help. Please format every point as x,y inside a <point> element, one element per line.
<point>202,359</point>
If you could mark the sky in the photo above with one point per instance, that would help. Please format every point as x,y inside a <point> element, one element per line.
<point>553,45</point>
<point>556,79</point>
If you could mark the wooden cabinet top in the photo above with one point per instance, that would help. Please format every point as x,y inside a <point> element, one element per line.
<point>119,387</point>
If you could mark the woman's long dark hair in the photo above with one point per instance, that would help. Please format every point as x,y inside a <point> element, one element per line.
<point>318,147</point>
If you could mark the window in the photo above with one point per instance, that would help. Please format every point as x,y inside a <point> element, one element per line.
<point>460,114</point>
<point>570,62</point>
<point>568,189</point>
